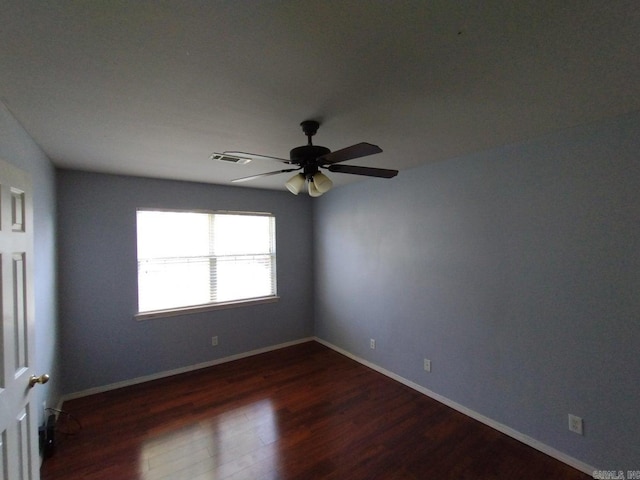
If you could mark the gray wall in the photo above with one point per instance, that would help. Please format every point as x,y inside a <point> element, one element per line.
<point>19,149</point>
<point>516,271</point>
<point>101,341</point>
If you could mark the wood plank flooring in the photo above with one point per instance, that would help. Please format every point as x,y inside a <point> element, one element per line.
<point>302,412</point>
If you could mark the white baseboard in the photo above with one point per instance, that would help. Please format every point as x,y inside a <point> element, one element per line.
<point>177,371</point>
<point>532,442</point>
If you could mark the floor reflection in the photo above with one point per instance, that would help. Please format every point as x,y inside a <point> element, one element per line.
<point>233,445</point>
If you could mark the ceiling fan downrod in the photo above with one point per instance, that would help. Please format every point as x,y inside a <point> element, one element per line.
<point>306,155</point>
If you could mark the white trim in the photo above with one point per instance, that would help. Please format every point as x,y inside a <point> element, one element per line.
<point>177,371</point>
<point>204,210</point>
<point>532,442</point>
<point>175,312</point>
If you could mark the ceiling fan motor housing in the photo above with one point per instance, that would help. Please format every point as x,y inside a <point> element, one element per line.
<point>306,156</point>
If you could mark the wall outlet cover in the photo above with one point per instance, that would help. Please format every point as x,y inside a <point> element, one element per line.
<point>575,424</point>
<point>427,365</point>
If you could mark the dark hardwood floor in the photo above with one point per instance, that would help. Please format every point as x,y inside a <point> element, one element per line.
<point>301,412</point>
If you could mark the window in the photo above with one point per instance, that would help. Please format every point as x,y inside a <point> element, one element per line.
<point>205,259</point>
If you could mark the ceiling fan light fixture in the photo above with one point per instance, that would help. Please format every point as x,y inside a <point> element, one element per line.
<point>313,190</point>
<point>296,183</point>
<point>322,182</point>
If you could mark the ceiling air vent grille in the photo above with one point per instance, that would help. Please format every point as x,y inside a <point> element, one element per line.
<point>223,157</point>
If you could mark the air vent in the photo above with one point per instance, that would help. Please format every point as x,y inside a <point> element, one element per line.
<point>222,157</point>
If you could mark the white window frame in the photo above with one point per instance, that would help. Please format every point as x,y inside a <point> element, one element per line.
<point>183,310</point>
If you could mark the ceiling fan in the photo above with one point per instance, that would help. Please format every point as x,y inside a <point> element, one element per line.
<point>310,159</point>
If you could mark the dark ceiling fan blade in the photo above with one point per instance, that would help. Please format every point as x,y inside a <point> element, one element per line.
<point>260,175</point>
<point>367,171</point>
<point>354,151</point>
<point>255,156</point>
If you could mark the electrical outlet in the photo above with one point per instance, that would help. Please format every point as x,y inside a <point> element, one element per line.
<point>214,341</point>
<point>427,365</point>
<point>575,424</point>
<point>372,344</point>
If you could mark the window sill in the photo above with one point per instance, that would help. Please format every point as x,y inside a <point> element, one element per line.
<point>174,312</point>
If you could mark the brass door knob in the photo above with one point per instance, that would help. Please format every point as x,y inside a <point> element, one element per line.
<point>44,378</point>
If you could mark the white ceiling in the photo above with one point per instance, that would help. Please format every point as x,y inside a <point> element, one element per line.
<point>151,88</point>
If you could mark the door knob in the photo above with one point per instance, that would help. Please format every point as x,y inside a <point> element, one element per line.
<point>44,378</point>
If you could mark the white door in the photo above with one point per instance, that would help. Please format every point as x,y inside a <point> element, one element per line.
<point>19,459</point>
